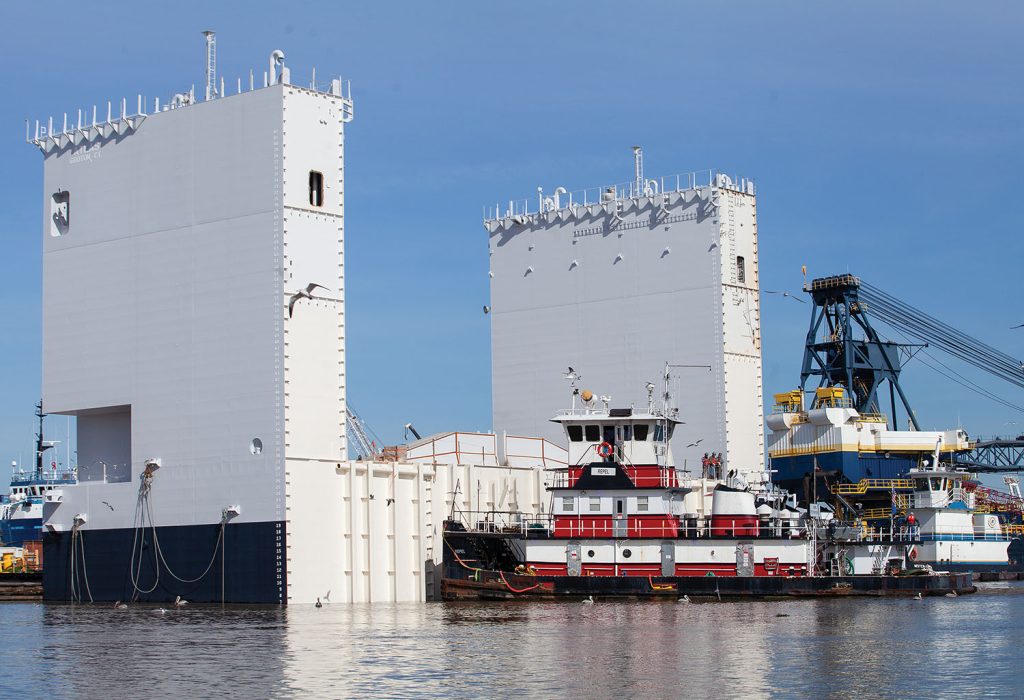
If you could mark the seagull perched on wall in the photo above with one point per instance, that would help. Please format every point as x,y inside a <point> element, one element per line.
<point>306,293</point>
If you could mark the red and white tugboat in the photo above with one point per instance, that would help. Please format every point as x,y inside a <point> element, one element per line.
<point>624,521</point>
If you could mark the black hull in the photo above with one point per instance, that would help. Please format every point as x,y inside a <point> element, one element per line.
<point>493,585</point>
<point>251,564</point>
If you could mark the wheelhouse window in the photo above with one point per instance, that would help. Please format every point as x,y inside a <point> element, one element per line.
<point>627,432</point>
<point>568,504</point>
<point>575,433</point>
<point>595,504</point>
<point>640,432</point>
<point>593,433</point>
<point>609,434</point>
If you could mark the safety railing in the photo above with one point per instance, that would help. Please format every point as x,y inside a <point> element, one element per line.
<point>864,485</point>
<point>844,402</point>
<point>505,522</point>
<point>975,535</point>
<point>833,282</point>
<point>642,476</point>
<point>560,198</point>
<point>854,532</point>
<point>48,477</point>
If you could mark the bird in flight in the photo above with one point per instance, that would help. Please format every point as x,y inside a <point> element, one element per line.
<point>306,293</point>
<point>785,294</point>
<point>1020,326</point>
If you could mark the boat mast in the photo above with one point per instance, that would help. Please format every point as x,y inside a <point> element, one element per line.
<point>39,440</point>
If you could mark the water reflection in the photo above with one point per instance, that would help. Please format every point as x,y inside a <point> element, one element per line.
<point>822,648</point>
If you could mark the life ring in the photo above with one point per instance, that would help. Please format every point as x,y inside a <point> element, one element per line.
<point>604,449</point>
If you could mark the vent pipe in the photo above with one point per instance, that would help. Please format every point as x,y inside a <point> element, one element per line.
<point>638,171</point>
<point>211,64</point>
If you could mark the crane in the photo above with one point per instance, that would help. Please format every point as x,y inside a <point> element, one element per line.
<point>844,348</point>
<point>359,433</point>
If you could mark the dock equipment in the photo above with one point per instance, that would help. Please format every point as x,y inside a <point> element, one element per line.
<point>843,348</point>
<point>839,355</point>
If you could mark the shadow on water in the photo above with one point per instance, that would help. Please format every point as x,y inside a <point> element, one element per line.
<point>824,648</point>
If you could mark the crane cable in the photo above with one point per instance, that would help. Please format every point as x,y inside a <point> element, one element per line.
<point>930,330</point>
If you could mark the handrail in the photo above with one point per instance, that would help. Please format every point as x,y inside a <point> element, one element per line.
<point>864,485</point>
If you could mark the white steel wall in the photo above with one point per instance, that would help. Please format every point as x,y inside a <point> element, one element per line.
<point>616,295</point>
<point>314,341</point>
<point>165,296</point>
<point>377,526</point>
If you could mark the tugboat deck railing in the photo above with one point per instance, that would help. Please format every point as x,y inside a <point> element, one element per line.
<point>542,527</point>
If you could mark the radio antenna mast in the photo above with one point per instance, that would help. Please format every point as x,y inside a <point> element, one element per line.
<point>638,171</point>
<point>211,64</point>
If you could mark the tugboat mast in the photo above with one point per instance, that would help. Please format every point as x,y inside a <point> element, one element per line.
<point>40,446</point>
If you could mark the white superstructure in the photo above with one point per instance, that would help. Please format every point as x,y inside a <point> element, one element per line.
<point>615,283</point>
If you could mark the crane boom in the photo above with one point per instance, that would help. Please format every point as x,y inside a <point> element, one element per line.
<point>358,431</point>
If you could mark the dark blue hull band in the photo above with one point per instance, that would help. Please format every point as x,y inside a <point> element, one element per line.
<point>249,568</point>
<point>14,532</point>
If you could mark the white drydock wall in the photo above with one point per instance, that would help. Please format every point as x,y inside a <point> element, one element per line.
<point>615,291</point>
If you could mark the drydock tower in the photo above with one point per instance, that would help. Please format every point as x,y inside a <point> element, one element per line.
<point>618,281</point>
<point>193,287</point>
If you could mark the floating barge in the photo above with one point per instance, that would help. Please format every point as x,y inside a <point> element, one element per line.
<point>497,585</point>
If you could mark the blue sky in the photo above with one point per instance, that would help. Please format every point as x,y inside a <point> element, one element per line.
<point>886,139</point>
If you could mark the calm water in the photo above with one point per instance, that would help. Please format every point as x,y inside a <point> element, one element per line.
<point>967,646</point>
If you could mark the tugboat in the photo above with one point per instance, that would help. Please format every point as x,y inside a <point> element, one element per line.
<point>954,535</point>
<point>624,521</point>
<point>21,510</point>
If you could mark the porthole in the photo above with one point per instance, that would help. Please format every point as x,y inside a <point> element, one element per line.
<point>626,553</point>
<point>590,553</point>
<point>256,446</point>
